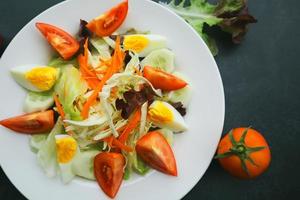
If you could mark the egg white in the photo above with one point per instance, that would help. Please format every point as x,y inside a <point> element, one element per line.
<point>19,75</point>
<point>82,164</point>
<point>177,124</point>
<point>66,169</point>
<point>155,42</point>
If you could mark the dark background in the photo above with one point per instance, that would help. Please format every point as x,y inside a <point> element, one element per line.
<point>261,80</point>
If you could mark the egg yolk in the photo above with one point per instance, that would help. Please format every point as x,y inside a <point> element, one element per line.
<point>42,77</point>
<point>66,149</point>
<point>160,113</point>
<point>136,43</point>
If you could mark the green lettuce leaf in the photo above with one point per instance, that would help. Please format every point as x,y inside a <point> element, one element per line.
<point>134,162</point>
<point>69,88</point>
<point>102,47</point>
<point>60,62</point>
<point>46,154</point>
<point>230,15</point>
<point>37,141</point>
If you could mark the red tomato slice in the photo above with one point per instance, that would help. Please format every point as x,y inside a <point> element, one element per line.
<point>110,21</point>
<point>109,171</point>
<point>60,40</point>
<point>34,123</point>
<point>163,80</point>
<point>154,149</point>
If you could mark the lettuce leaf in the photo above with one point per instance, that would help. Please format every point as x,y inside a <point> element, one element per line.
<point>46,154</point>
<point>60,62</point>
<point>102,47</point>
<point>133,63</point>
<point>230,15</point>
<point>69,87</point>
<point>134,162</point>
<point>37,141</point>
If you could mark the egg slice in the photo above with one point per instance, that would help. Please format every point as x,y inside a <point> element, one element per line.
<point>164,115</point>
<point>144,44</point>
<point>73,162</point>
<point>35,78</point>
<point>67,151</point>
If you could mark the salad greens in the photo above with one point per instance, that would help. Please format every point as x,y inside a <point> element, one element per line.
<point>69,88</point>
<point>46,153</point>
<point>230,15</point>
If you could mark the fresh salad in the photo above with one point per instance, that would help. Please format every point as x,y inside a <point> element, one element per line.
<point>106,105</point>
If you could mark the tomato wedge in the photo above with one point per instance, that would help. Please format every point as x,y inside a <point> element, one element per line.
<point>34,123</point>
<point>110,21</point>
<point>163,80</point>
<point>60,40</point>
<point>154,149</point>
<point>109,172</point>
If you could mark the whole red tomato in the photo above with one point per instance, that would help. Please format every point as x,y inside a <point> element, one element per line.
<point>244,153</point>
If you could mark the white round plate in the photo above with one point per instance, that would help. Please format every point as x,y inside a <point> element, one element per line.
<point>193,149</point>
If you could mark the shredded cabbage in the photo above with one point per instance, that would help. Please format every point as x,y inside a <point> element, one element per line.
<point>110,42</point>
<point>125,78</point>
<point>133,63</point>
<point>93,120</point>
<point>144,111</point>
<point>93,59</point>
<point>108,132</point>
<point>109,116</point>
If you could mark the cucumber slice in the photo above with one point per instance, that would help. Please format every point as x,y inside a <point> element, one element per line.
<point>182,95</point>
<point>38,101</point>
<point>83,165</point>
<point>161,59</point>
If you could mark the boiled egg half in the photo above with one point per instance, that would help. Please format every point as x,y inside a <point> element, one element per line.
<point>72,161</point>
<point>35,78</point>
<point>164,115</point>
<point>144,44</point>
<point>67,151</point>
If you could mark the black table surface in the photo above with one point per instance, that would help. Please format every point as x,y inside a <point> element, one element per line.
<point>261,80</point>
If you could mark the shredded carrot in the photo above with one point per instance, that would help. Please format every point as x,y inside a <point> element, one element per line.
<point>122,146</point>
<point>109,141</point>
<point>59,107</point>
<point>132,124</point>
<point>116,64</point>
<point>113,142</point>
<point>118,57</point>
<point>91,100</point>
<point>61,112</point>
<point>105,62</point>
<point>85,70</point>
<point>114,92</point>
<point>121,129</point>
